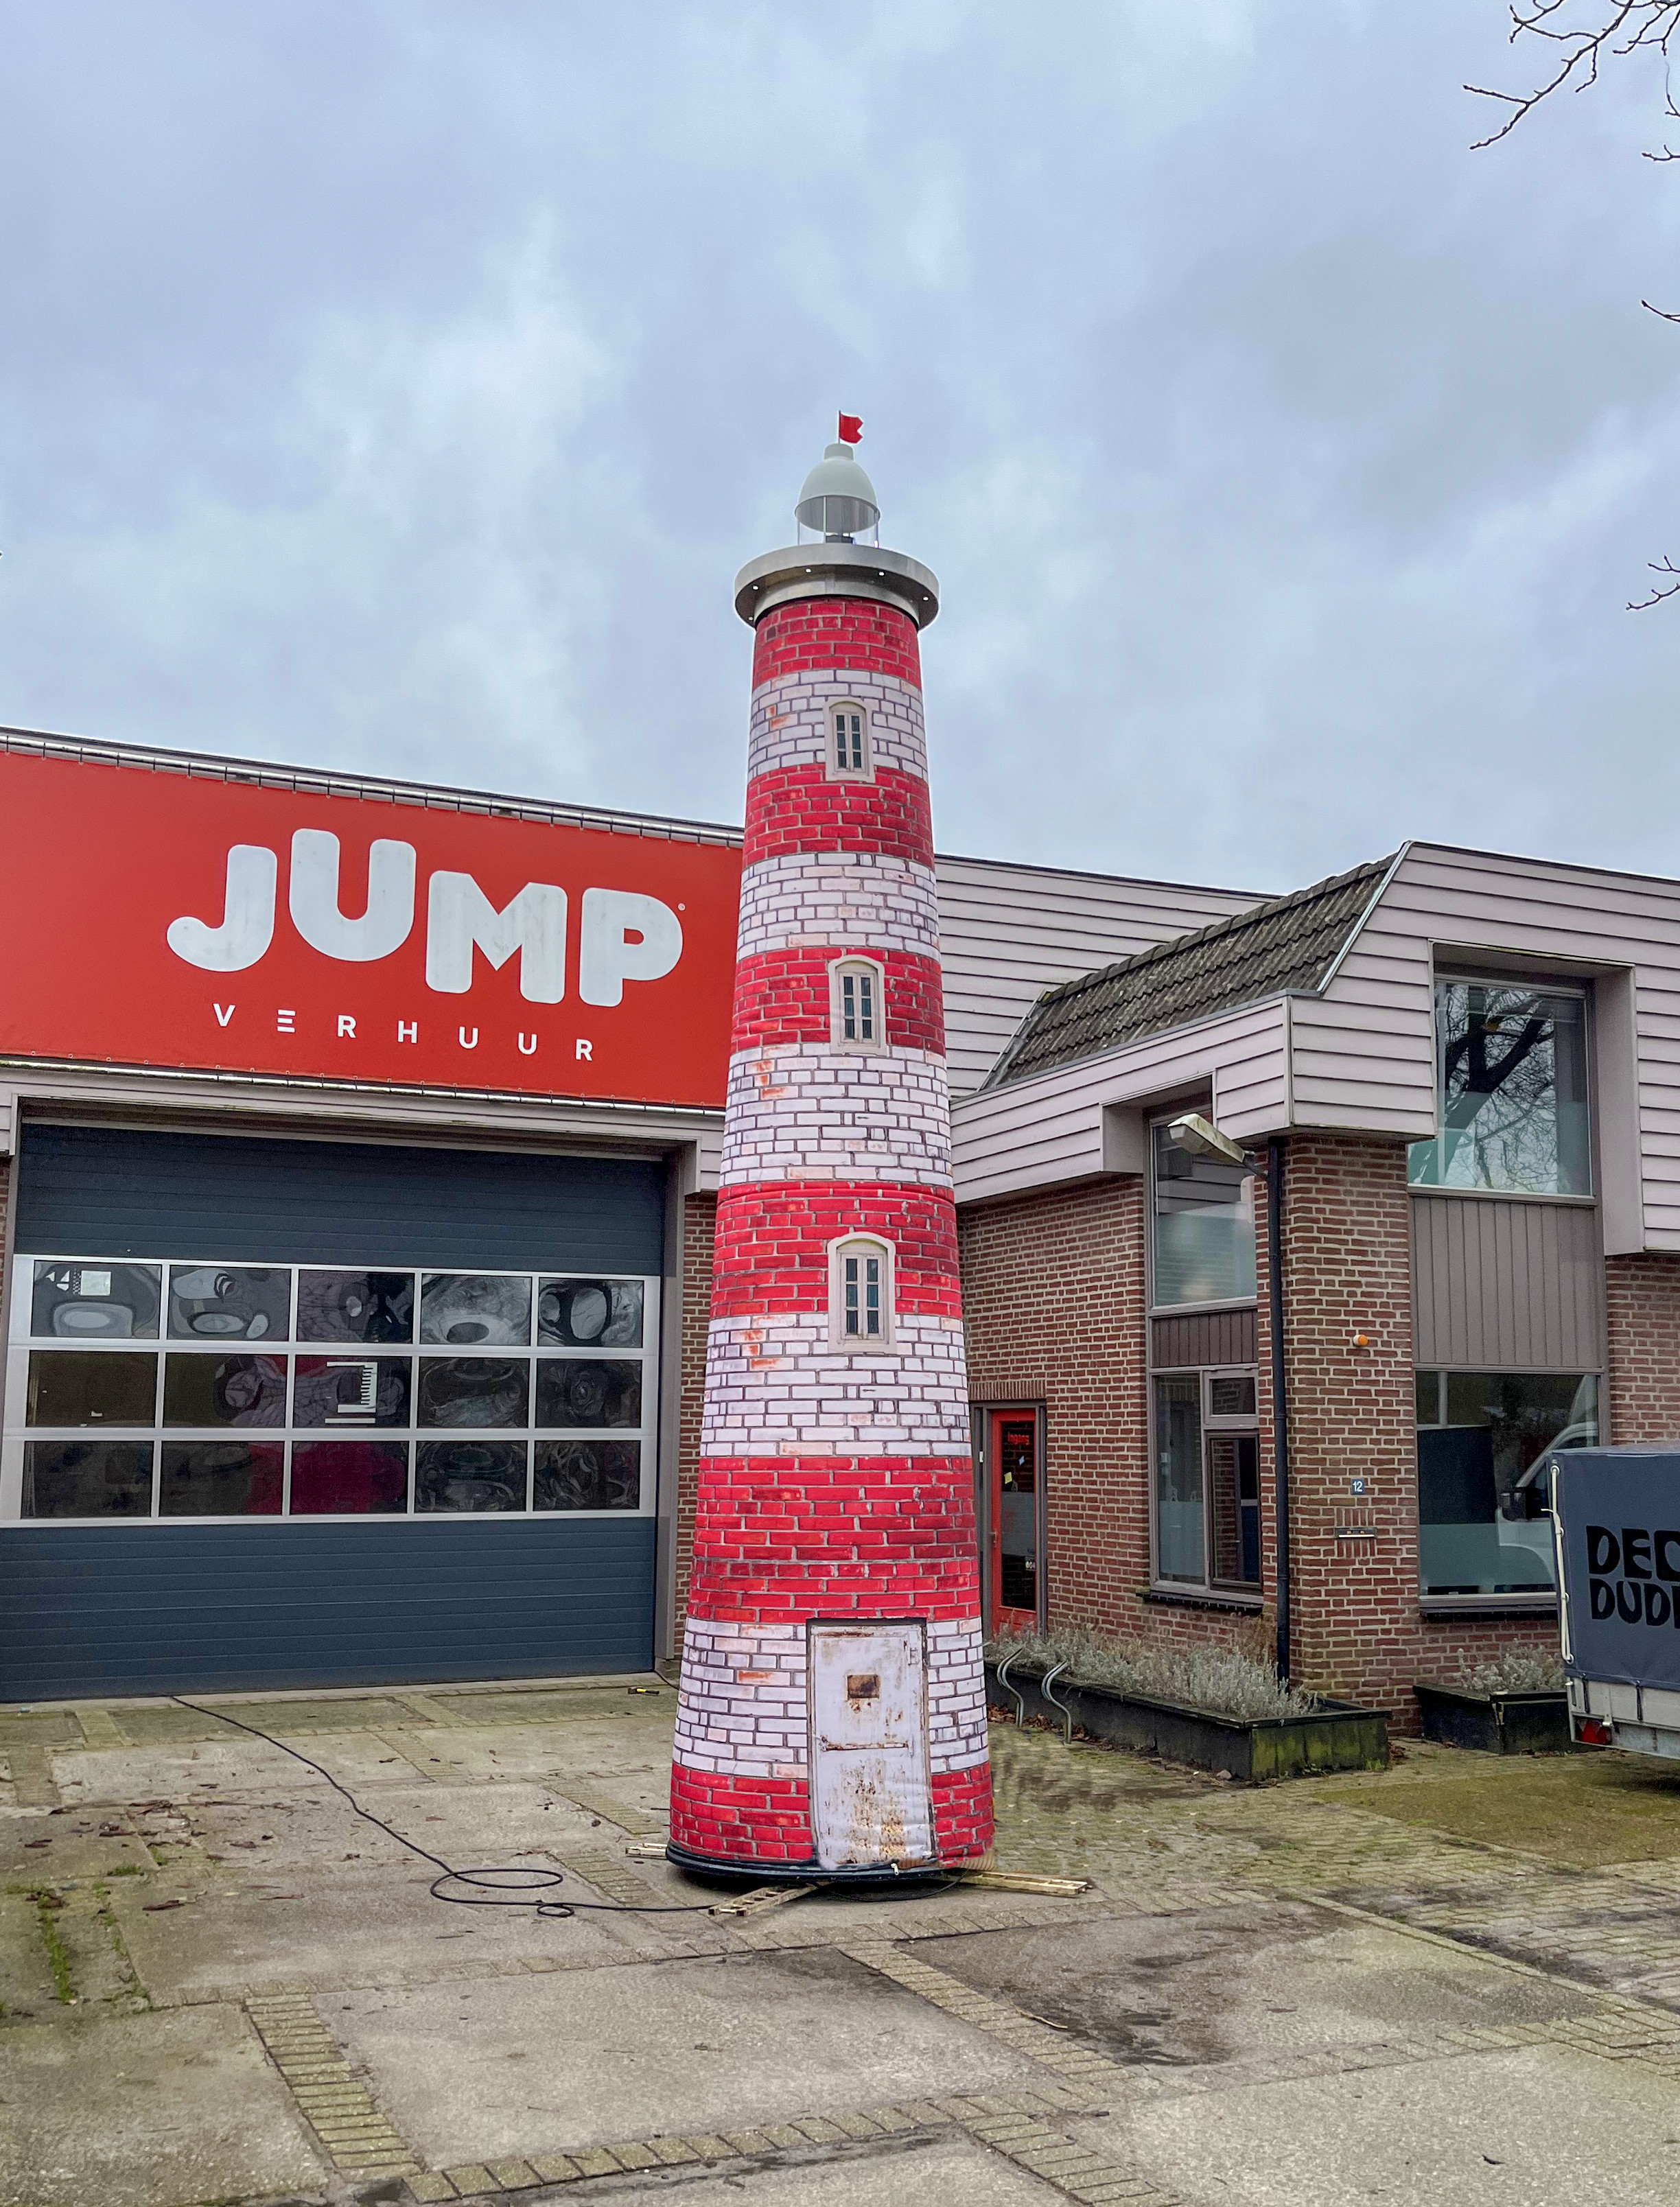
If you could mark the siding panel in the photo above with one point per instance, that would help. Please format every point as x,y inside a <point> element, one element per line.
<point>183,1608</point>
<point>1203,1337</point>
<point>1504,1285</point>
<point>111,1192</point>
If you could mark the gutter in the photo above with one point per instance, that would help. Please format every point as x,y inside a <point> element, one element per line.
<point>1276,1150</point>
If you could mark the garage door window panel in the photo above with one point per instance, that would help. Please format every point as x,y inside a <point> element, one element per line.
<point>222,1479</point>
<point>311,1422</point>
<point>88,1479</point>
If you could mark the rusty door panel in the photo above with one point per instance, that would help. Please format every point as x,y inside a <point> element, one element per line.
<point>871,1799</point>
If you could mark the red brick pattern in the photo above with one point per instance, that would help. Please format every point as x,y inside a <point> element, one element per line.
<point>798,809</point>
<point>962,1814</point>
<point>894,1536</point>
<point>768,1818</point>
<point>813,634</point>
<point>782,999</point>
<point>773,1244</point>
<point>1643,1320</point>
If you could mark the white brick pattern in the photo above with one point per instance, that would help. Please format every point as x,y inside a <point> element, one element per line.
<point>774,1387</point>
<point>743,1711</point>
<point>790,721</point>
<point>839,900</point>
<point>807,1113</point>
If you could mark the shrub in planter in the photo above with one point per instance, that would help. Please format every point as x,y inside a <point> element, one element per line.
<point>1215,1707</point>
<point>1514,1704</point>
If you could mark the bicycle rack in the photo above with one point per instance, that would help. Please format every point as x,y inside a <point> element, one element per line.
<point>1044,1685</point>
<point>1013,1692</point>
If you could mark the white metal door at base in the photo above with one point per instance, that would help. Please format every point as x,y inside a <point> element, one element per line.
<point>870,1796</point>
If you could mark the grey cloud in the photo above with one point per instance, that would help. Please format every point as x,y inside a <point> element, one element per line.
<point>397,388</point>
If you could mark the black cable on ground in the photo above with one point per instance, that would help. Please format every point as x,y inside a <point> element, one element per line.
<point>491,1887</point>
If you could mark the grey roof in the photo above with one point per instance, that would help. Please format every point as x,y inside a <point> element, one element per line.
<point>1288,942</point>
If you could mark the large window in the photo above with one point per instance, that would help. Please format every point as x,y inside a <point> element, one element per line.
<point>1482,1440</point>
<point>1204,1222</point>
<point>156,1389</point>
<point>1511,1082</point>
<point>1207,1481</point>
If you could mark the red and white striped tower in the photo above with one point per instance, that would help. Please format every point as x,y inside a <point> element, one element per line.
<point>833,1701</point>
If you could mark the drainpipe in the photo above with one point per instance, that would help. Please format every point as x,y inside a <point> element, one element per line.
<point>1280,1398</point>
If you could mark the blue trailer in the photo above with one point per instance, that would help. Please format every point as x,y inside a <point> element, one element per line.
<point>1616,1519</point>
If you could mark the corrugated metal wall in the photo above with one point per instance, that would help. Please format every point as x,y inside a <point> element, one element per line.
<point>118,1192</point>
<point>1507,1284</point>
<point>1224,1337</point>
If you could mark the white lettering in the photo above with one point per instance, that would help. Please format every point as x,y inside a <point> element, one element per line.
<point>408,1030</point>
<point>283,1022</point>
<point>223,1014</point>
<point>527,1045</point>
<point>467,1042</point>
<point>248,915</point>
<point>460,917</point>
<point>581,1049</point>
<point>382,928</point>
<point>346,1026</point>
<point>624,937</point>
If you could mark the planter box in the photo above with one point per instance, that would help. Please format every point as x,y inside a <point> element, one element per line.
<point>1497,1724</point>
<point>1337,1735</point>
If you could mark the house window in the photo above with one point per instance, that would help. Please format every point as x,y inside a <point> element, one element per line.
<point>1203,1227</point>
<point>1483,1441</point>
<point>1207,1481</point>
<point>860,1293</point>
<point>1510,1069</point>
<point>857,1003</point>
<point>849,740</point>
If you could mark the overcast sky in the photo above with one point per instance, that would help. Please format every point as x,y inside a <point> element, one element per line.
<point>396,386</point>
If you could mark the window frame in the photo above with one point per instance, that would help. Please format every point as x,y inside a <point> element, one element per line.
<point>861,1344</point>
<point>836,771</point>
<point>1223,1593</point>
<point>1164,1117</point>
<point>1541,1601</point>
<point>1458,976</point>
<point>289,1349</point>
<point>839,968</point>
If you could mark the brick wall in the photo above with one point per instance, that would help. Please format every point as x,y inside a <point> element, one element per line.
<point>699,1226</point>
<point>1054,1296</point>
<point>1642,1321</point>
<point>1348,1272</point>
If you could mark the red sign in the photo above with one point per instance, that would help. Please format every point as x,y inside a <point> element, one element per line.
<point>158,918</point>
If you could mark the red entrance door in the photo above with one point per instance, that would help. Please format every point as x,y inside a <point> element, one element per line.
<point>1013,1581</point>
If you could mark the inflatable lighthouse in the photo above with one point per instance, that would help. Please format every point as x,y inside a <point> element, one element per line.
<point>831,1714</point>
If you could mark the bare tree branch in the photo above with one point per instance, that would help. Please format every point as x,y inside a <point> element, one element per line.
<point>1619,27</point>
<point>1663,566</point>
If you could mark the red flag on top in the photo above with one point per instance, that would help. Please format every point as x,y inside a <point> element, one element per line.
<point>851,429</point>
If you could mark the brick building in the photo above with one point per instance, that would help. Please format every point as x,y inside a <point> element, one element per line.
<point>360,1143</point>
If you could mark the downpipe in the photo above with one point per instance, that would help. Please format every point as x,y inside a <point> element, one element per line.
<point>1275,1150</point>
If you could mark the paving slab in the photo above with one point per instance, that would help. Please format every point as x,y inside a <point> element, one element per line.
<point>360,1926</point>
<point>1538,2127</point>
<point>940,2173</point>
<point>1224,1984</point>
<point>480,2071</point>
<point>133,2111</point>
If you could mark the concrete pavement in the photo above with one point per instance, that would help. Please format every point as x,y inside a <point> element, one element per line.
<point>220,1985</point>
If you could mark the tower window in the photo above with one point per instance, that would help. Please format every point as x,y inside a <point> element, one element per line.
<point>849,741</point>
<point>861,1293</point>
<point>857,1004</point>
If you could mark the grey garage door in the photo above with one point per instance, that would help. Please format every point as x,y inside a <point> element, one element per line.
<point>294,1414</point>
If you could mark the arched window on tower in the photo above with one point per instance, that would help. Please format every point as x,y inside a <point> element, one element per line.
<point>857,1004</point>
<point>850,757</point>
<point>860,1292</point>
